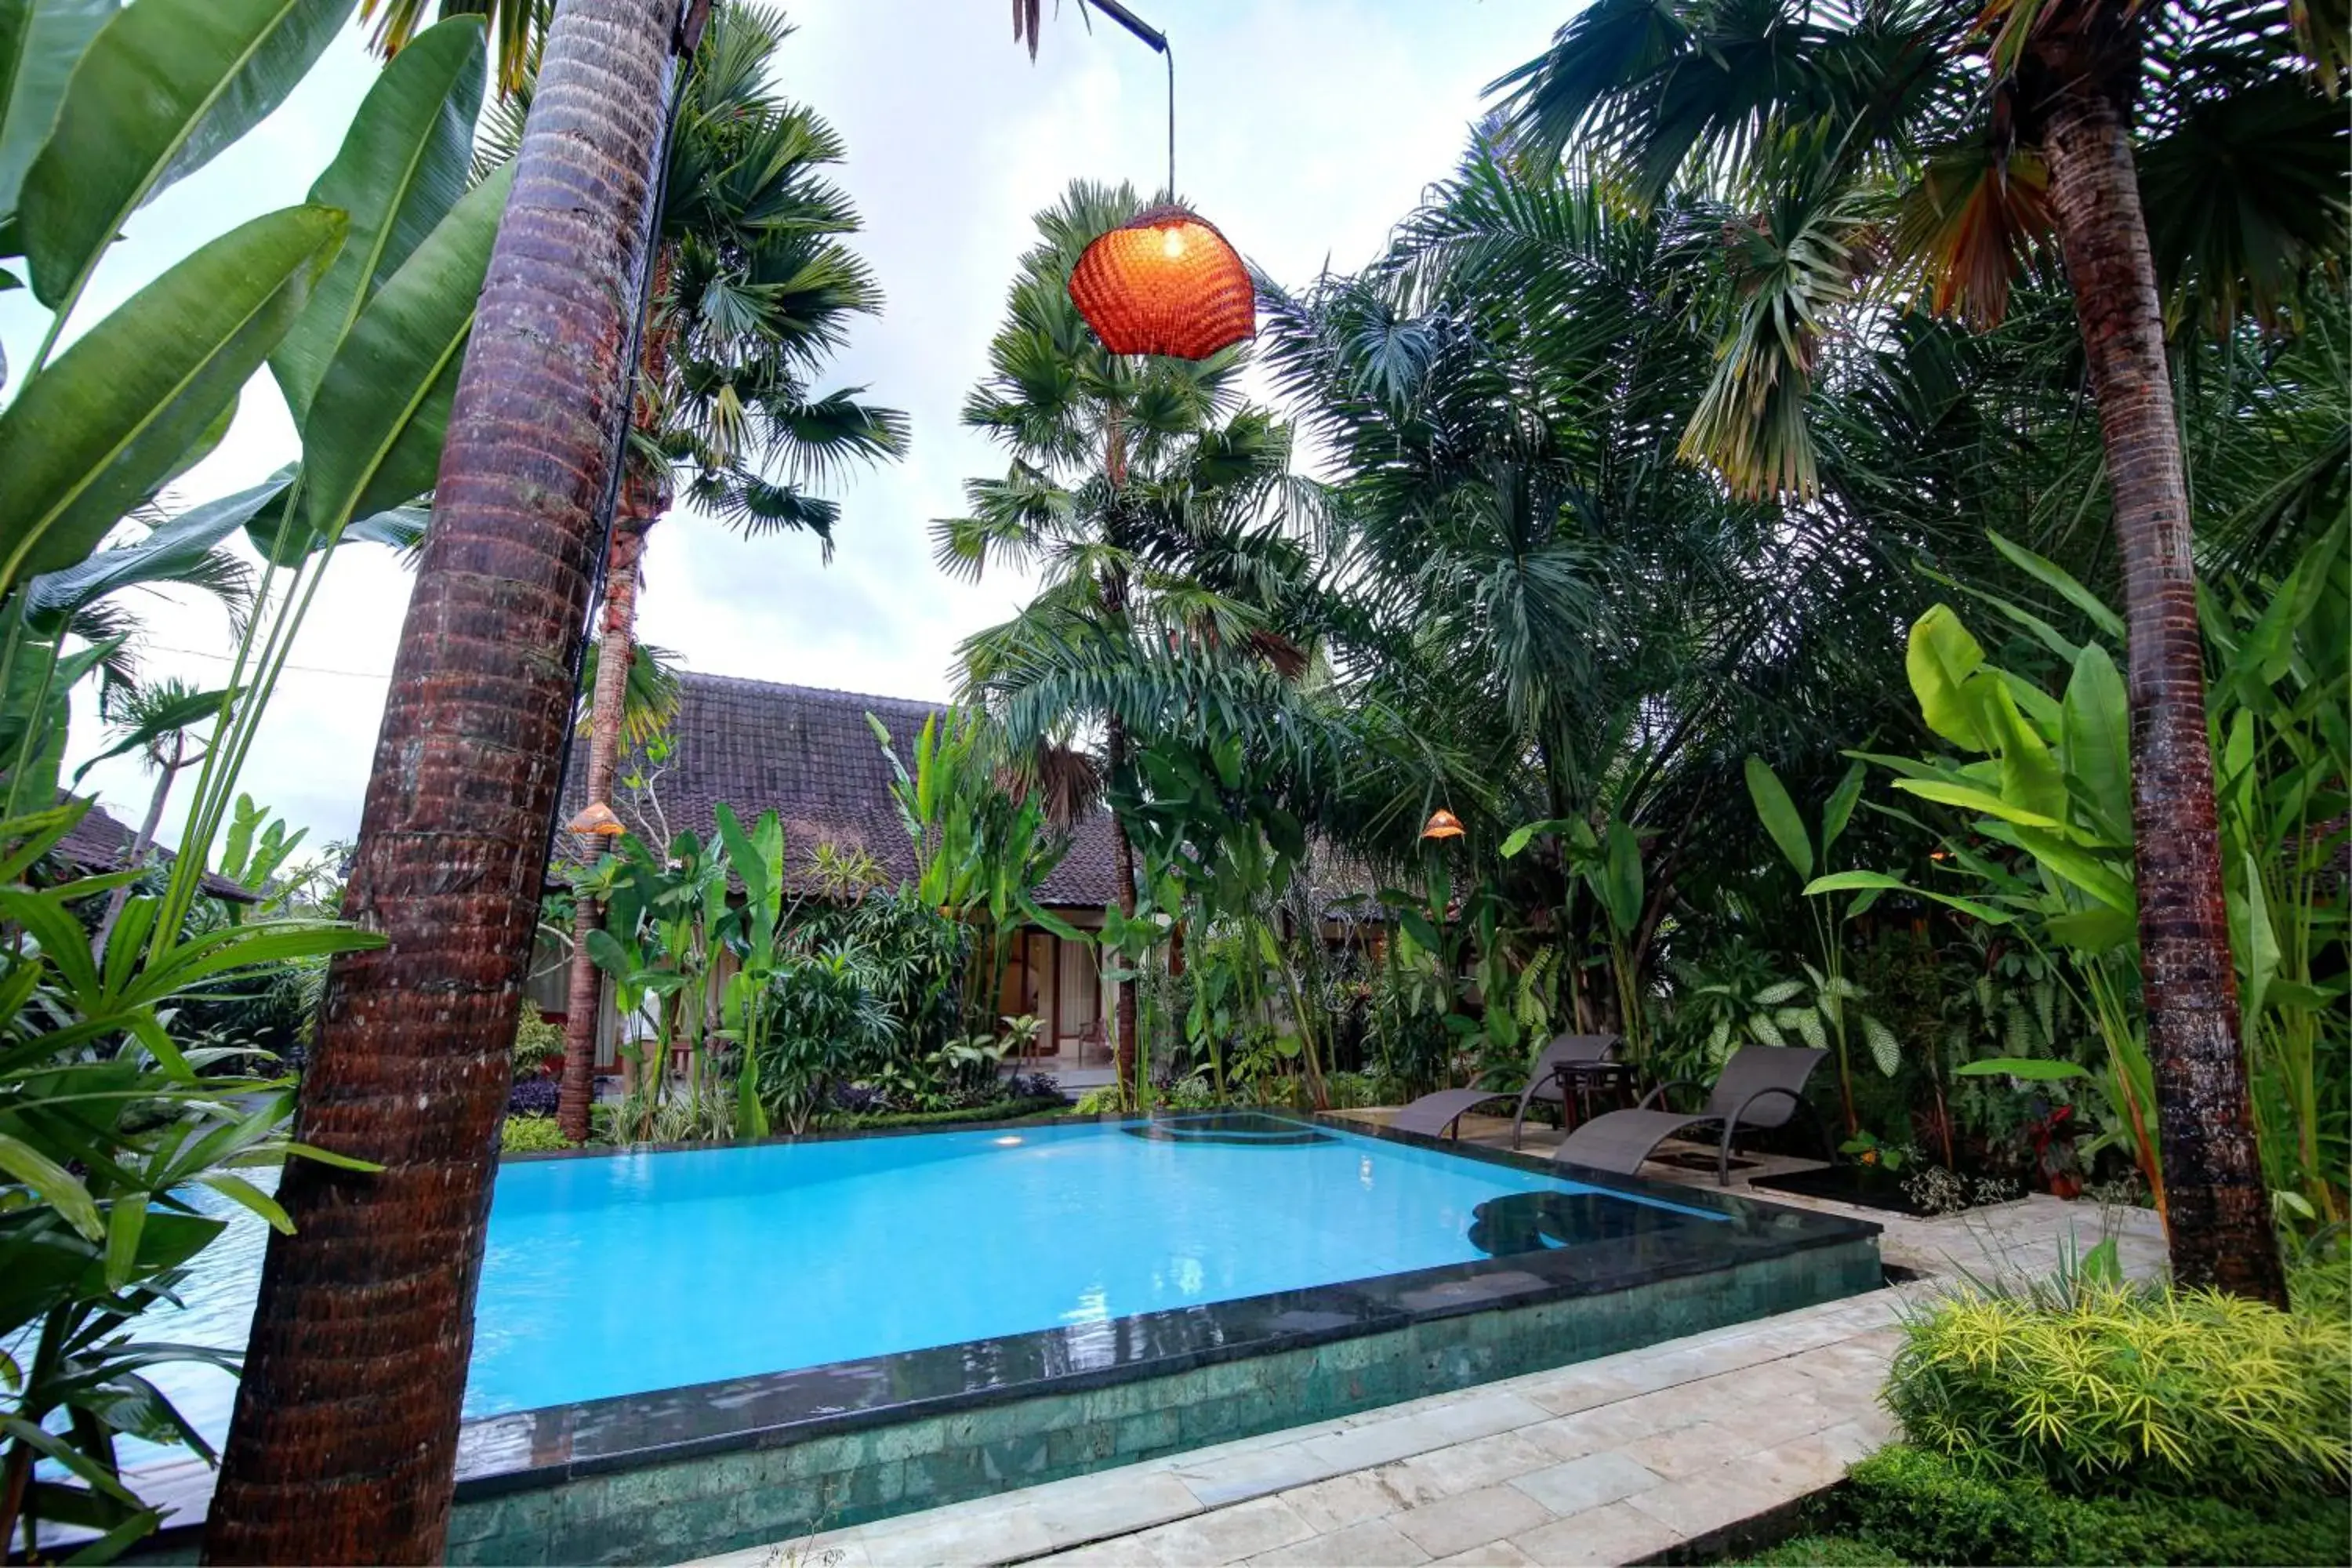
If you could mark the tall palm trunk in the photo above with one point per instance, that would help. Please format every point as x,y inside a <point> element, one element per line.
<point>615,650</point>
<point>1115,752</point>
<point>2217,1211</point>
<point>344,1442</point>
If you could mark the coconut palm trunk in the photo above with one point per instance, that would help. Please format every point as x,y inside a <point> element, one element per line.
<point>343,1445</point>
<point>1124,1015</point>
<point>617,649</point>
<point>2217,1210</point>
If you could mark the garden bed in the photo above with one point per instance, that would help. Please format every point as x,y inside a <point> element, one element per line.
<point>1864,1186</point>
<point>1023,1109</point>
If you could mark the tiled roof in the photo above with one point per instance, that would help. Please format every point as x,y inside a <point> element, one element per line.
<point>97,844</point>
<point>809,754</point>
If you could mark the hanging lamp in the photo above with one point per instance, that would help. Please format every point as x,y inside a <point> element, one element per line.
<point>1442,824</point>
<point>1164,282</point>
<point>597,822</point>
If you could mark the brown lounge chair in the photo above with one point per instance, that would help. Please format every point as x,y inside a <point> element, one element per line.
<point>1439,1115</point>
<point>1760,1087</point>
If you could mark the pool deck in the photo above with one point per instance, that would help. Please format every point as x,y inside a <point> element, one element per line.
<point>1607,1461</point>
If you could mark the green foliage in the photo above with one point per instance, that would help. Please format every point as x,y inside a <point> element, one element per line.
<point>537,1043</point>
<point>530,1135</point>
<point>997,1111</point>
<point>1904,1504</point>
<point>2154,1386</point>
<point>108,1116</point>
<point>1104,1101</point>
<point>824,1022</point>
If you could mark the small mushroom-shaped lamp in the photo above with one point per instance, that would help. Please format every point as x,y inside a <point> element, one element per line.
<point>1165,282</point>
<point>597,822</point>
<point>1442,824</point>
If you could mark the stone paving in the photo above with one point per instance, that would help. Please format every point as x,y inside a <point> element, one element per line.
<point>1607,1461</point>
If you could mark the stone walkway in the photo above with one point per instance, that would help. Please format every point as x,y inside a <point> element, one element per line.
<point>1606,1461</point>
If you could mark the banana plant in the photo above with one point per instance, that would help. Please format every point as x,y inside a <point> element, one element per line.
<point>980,853</point>
<point>2046,789</point>
<point>754,930</point>
<point>1608,863</point>
<point>1834,996</point>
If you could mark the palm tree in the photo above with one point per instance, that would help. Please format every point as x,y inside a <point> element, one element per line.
<point>1953,143</point>
<point>154,719</point>
<point>753,289</point>
<point>1128,474</point>
<point>369,1306</point>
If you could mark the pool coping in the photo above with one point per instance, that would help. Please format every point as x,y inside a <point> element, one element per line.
<point>551,1445</point>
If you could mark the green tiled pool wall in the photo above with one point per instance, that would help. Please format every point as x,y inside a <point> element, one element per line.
<point>748,1497</point>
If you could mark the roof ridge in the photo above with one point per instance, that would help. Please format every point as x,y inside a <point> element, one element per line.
<point>703,678</point>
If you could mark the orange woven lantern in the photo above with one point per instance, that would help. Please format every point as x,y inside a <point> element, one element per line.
<point>596,822</point>
<point>1442,824</point>
<point>1165,283</point>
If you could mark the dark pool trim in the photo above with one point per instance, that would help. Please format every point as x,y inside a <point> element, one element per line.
<point>549,1446</point>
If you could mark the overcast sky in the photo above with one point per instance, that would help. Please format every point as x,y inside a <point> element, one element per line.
<point>1305,130</point>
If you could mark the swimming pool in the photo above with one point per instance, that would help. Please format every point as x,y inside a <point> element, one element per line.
<point>662,1270</point>
<point>683,1352</point>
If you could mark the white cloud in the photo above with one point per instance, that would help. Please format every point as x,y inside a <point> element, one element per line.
<point>1305,128</point>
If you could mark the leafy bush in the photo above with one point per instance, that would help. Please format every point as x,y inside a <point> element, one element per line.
<point>1355,1090</point>
<point>533,1097</point>
<point>1103,1101</point>
<point>530,1135</point>
<point>2151,1384</point>
<point>1031,1086</point>
<point>996,1111</point>
<point>1919,1507</point>
<point>537,1043</point>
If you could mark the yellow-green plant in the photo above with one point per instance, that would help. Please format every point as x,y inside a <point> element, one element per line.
<point>2106,1380</point>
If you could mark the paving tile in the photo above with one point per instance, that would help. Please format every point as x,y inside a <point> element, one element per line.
<point>1708,1500</point>
<point>1374,1543</point>
<point>1569,1395</point>
<point>1125,1551</point>
<point>1344,1500</point>
<point>1256,1473</point>
<point>1850,1441</point>
<point>1800,1466</point>
<point>1482,1415</point>
<point>1228,1534</point>
<point>1466,1467</point>
<point>1763,1423</point>
<point>1368,1446</point>
<point>1471,1518</point>
<point>1493,1554</point>
<point>1088,1508</point>
<point>924,1540</point>
<point>1689,1450</point>
<point>1591,1431</point>
<point>1614,1532</point>
<point>1585,1483</point>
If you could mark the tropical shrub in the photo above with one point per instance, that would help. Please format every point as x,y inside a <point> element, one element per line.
<point>107,1122</point>
<point>533,1134</point>
<point>533,1097</point>
<point>537,1043</point>
<point>1905,1504</point>
<point>2105,1382</point>
<point>824,1021</point>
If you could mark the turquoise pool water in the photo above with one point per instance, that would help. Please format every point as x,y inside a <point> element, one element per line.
<point>635,1272</point>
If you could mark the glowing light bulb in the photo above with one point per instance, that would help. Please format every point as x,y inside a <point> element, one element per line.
<point>1172,243</point>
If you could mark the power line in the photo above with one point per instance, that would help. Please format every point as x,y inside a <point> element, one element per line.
<point>304,669</point>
